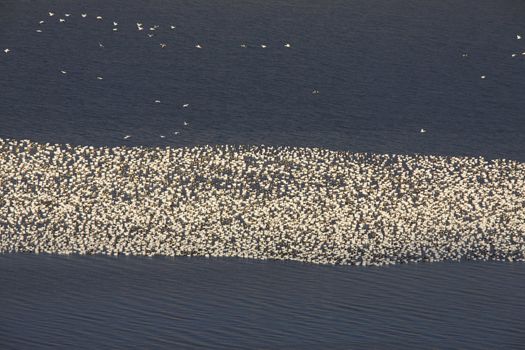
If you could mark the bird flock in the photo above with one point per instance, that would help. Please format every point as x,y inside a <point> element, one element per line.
<point>54,17</point>
<point>304,204</point>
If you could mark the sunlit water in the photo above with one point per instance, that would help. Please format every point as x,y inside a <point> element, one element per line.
<point>383,69</point>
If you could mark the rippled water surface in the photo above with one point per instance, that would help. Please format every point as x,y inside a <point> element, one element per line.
<point>384,70</point>
<point>101,302</point>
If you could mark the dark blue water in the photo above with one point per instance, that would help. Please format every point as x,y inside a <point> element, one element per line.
<point>384,69</point>
<point>98,302</point>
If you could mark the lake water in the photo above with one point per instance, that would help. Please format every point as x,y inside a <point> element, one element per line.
<point>383,69</point>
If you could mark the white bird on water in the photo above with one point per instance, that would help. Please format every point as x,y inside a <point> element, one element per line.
<point>40,22</point>
<point>315,92</point>
<point>157,101</point>
<point>513,55</point>
<point>62,20</point>
<point>162,136</point>
<point>115,29</point>
<point>483,76</point>
<point>100,78</point>
<point>422,131</point>
<point>84,15</point>
<point>7,50</point>
<point>243,45</point>
<point>162,45</point>
<point>150,35</point>
<point>63,72</point>
<point>127,137</point>
<point>100,45</point>
<point>518,36</point>
<point>115,24</point>
<point>176,133</point>
<point>186,123</point>
<point>287,45</point>
<point>198,46</point>
<point>38,31</point>
<point>263,46</point>
<point>172,27</point>
<point>99,18</point>
<point>51,14</point>
<point>67,14</point>
<point>186,105</point>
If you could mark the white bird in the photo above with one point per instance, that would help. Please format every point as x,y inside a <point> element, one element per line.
<point>62,20</point>
<point>139,24</point>
<point>51,14</point>
<point>287,45</point>
<point>7,50</point>
<point>483,77</point>
<point>198,46</point>
<point>115,24</point>
<point>523,53</point>
<point>100,45</point>
<point>186,123</point>
<point>38,31</point>
<point>518,36</point>
<point>127,137</point>
<point>157,101</point>
<point>186,105</point>
<point>315,92</point>
<point>513,55</point>
<point>162,136</point>
<point>263,46</point>
<point>84,15</point>
<point>152,29</point>
<point>115,29</point>
<point>150,35</point>
<point>176,133</point>
<point>67,14</point>
<point>63,72</point>
<point>243,45</point>
<point>40,22</point>
<point>100,78</point>
<point>99,17</point>
<point>465,55</point>
<point>172,27</point>
<point>422,131</point>
<point>163,45</point>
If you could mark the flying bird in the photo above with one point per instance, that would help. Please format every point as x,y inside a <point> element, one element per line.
<point>7,50</point>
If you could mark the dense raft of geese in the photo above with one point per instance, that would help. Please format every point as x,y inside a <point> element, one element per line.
<point>304,204</point>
